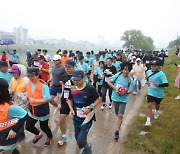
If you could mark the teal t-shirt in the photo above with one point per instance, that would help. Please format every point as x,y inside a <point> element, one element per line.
<point>88,61</point>
<point>6,76</point>
<point>103,59</point>
<point>46,96</point>
<point>15,57</point>
<point>119,79</point>
<point>85,68</point>
<point>158,78</point>
<point>117,65</point>
<point>14,112</point>
<point>100,73</point>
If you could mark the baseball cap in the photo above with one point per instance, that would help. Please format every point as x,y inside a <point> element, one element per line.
<point>155,62</point>
<point>81,57</point>
<point>32,71</point>
<point>41,57</point>
<point>77,75</point>
<point>15,69</point>
<point>138,59</point>
<point>70,63</point>
<point>57,57</point>
<point>97,55</point>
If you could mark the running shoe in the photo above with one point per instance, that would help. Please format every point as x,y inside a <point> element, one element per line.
<point>156,115</point>
<point>116,135</point>
<point>178,97</point>
<point>110,105</point>
<point>37,138</point>
<point>103,106</point>
<point>87,150</point>
<point>48,142</point>
<point>148,123</point>
<point>62,140</point>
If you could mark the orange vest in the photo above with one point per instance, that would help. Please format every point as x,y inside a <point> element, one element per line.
<point>6,122</point>
<point>37,94</point>
<point>18,85</point>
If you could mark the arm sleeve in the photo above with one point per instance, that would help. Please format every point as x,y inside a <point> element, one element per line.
<point>164,79</point>
<point>131,85</point>
<point>163,85</point>
<point>19,124</point>
<point>45,92</point>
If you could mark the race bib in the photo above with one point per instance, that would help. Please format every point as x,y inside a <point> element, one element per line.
<point>106,79</point>
<point>79,113</point>
<point>66,93</point>
<point>36,63</point>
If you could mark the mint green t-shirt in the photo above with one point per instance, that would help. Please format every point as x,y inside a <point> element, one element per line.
<point>119,79</point>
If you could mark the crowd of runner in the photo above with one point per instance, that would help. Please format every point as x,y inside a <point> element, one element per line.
<point>74,85</point>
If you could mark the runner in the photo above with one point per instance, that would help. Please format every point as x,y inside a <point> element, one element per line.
<point>138,73</point>
<point>122,86</point>
<point>38,97</point>
<point>58,72</point>
<point>100,77</point>
<point>83,66</point>
<point>4,71</point>
<point>64,110</point>
<point>14,57</point>
<point>156,81</point>
<point>17,88</point>
<point>44,68</point>
<point>12,118</point>
<point>64,57</point>
<point>84,98</point>
<point>109,70</point>
<point>94,69</point>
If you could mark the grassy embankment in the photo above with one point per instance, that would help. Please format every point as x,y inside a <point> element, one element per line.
<point>164,134</point>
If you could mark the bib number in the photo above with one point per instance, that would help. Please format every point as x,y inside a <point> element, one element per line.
<point>79,113</point>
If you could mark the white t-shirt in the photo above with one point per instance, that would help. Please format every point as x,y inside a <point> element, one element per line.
<point>47,58</point>
<point>96,65</point>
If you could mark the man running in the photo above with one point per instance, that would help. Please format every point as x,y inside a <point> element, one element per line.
<point>156,81</point>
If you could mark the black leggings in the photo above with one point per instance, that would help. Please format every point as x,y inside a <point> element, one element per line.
<point>30,126</point>
<point>104,91</point>
<point>100,90</point>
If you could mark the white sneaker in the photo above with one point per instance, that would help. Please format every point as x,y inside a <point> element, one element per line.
<point>110,105</point>
<point>148,123</point>
<point>178,97</point>
<point>156,115</point>
<point>103,106</point>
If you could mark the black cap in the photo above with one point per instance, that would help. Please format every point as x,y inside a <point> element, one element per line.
<point>64,51</point>
<point>97,55</point>
<point>81,57</point>
<point>77,75</point>
<point>32,71</point>
<point>3,63</point>
<point>41,57</point>
<point>70,63</point>
<point>155,62</point>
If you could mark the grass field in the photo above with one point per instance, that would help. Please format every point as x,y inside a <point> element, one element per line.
<point>164,135</point>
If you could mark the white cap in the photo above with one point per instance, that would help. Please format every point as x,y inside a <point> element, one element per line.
<point>57,57</point>
<point>138,59</point>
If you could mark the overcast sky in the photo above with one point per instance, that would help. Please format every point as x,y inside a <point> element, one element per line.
<point>87,19</point>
